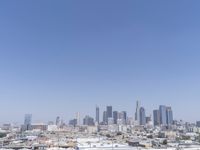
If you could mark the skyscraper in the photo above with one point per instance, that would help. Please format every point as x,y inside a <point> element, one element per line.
<point>198,123</point>
<point>78,120</point>
<point>142,116</point>
<point>88,121</point>
<point>109,111</point>
<point>169,114</point>
<point>156,117</point>
<point>115,116</point>
<point>27,121</point>
<point>163,115</point>
<point>137,112</point>
<point>58,121</point>
<point>123,117</point>
<point>97,114</point>
<point>105,120</point>
<point>73,122</point>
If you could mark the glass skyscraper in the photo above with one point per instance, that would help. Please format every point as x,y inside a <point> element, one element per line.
<point>88,121</point>
<point>97,114</point>
<point>163,115</point>
<point>142,116</point>
<point>169,114</point>
<point>137,113</point>
<point>109,111</point>
<point>27,121</point>
<point>105,117</point>
<point>156,117</point>
<point>115,116</point>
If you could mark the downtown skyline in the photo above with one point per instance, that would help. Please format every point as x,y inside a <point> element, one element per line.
<point>59,58</point>
<point>109,114</point>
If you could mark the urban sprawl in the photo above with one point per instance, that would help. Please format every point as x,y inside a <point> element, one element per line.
<point>115,131</point>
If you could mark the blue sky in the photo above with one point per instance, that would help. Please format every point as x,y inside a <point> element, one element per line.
<point>60,57</point>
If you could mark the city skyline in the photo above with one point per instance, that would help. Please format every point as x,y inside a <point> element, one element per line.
<point>103,115</point>
<point>59,58</point>
<point>160,117</point>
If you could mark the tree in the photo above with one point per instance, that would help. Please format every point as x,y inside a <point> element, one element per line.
<point>2,135</point>
<point>165,142</point>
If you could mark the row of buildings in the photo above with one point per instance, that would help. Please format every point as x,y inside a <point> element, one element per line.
<point>161,117</point>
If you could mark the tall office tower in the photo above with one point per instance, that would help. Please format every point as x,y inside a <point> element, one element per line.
<point>115,116</point>
<point>156,117</point>
<point>198,123</point>
<point>105,120</point>
<point>88,121</point>
<point>142,116</point>
<point>27,121</point>
<point>58,121</point>
<point>137,112</point>
<point>163,115</point>
<point>169,114</point>
<point>78,119</point>
<point>73,122</point>
<point>97,114</point>
<point>109,111</point>
<point>123,117</point>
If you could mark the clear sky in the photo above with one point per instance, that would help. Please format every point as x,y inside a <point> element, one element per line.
<point>60,57</point>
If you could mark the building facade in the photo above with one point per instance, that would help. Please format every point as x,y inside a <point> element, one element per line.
<point>109,111</point>
<point>163,115</point>
<point>115,117</point>
<point>89,121</point>
<point>97,114</point>
<point>27,121</point>
<point>142,116</point>
<point>169,114</point>
<point>137,113</point>
<point>156,117</point>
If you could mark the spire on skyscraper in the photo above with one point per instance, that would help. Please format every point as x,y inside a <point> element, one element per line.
<point>137,112</point>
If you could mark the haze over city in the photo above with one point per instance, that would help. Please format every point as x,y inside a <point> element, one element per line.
<point>63,57</point>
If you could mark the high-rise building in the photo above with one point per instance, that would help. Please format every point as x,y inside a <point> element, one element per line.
<point>115,116</point>
<point>88,121</point>
<point>163,115</point>
<point>78,120</point>
<point>123,117</point>
<point>142,116</point>
<point>105,120</point>
<point>137,112</point>
<point>156,117</point>
<point>73,122</point>
<point>198,123</point>
<point>109,111</point>
<point>124,114</point>
<point>27,121</point>
<point>169,116</point>
<point>97,114</point>
<point>58,121</point>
